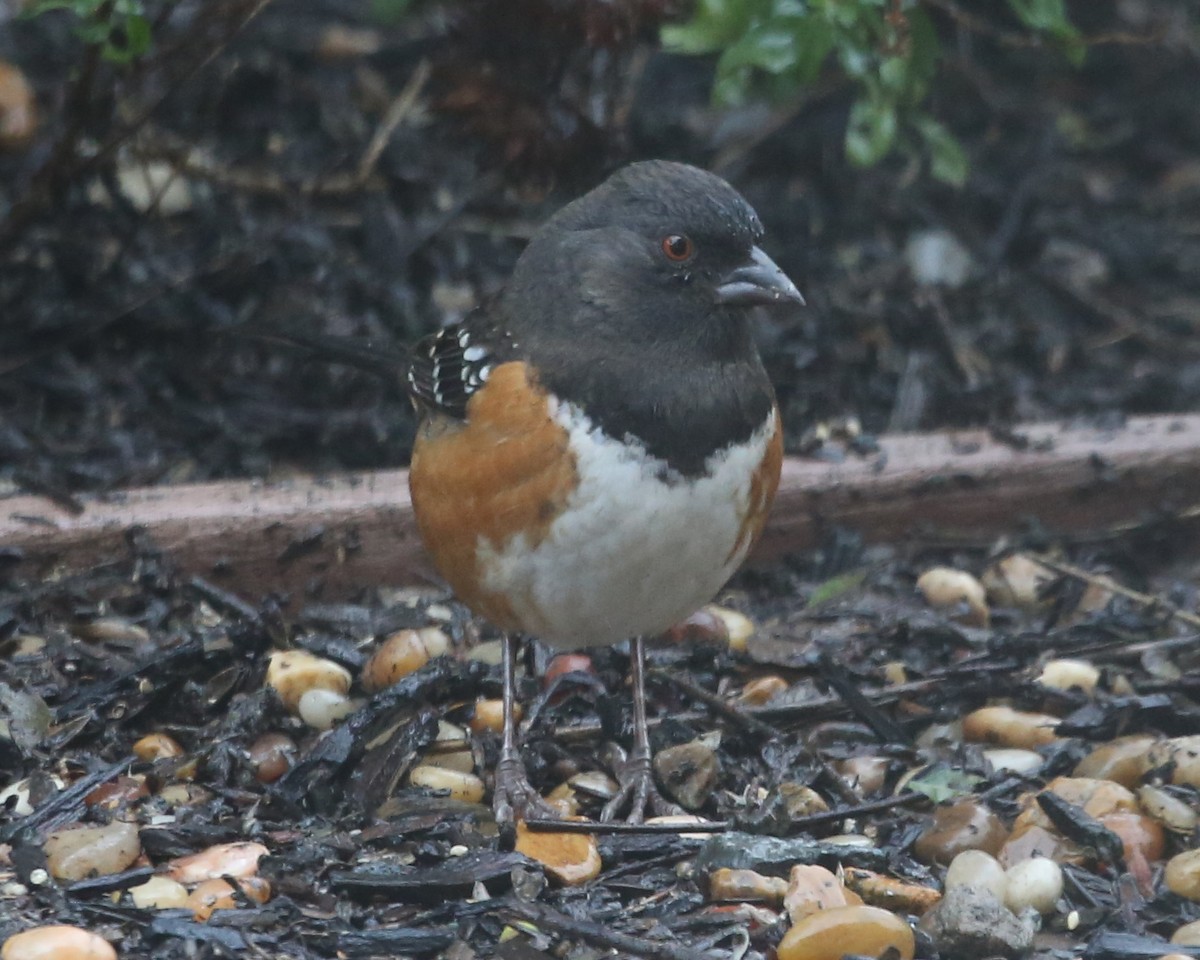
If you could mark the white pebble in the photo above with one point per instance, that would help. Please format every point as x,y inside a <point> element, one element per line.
<point>978,870</point>
<point>1036,883</point>
<point>321,709</point>
<point>1014,760</point>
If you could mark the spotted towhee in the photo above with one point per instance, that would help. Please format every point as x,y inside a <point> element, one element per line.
<point>598,449</point>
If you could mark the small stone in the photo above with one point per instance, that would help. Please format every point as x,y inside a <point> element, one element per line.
<point>763,690</point>
<point>859,930</point>
<point>569,858</point>
<point>271,756</point>
<point>488,716</point>
<point>321,709</point>
<point>239,859</point>
<point>1173,813</point>
<point>938,257</point>
<point>739,628</point>
<point>890,893</point>
<point>18,109</point>
<point>865,774</point>
<point>1037,841</point>
<point>157,746</point>
<point>1036,883</point>
<point>1016,581</point>
<point>1013,760</point>
<point>688,772</point>
<point>1098,798</point>
<point>78,852</point>
<point>564,663</point>
<point>1124,760</point>
<point>402,653</point>
<point>974,868</point>
<point>1188,935</point>
<point>464,787</point>
<point>1070,675</point>
<point>291,673</point>
<point>154,185</point>
<point>451,749</point>
<point>812,888</point>
<point>218,894</point>
<point>945,588</point>
<point>726,884</point>
<point>159,893</point>
<point>971,922</point>
<point>1141,837</point>
<point>1182,875</point>
<point>965,825</point>
<point>57,942</point>
<point>1009,728</point>
<point>1184,754</point>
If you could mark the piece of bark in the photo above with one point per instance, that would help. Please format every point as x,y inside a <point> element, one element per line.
<point>329,537</point>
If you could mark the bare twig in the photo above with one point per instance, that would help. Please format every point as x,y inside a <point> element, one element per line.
<point>1147,600</point>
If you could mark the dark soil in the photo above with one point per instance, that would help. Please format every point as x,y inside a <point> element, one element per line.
<point>123,362</point>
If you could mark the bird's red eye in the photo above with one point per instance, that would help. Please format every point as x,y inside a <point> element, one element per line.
<point>678,247</point>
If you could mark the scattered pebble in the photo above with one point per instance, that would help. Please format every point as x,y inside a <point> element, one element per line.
<point>965,825</point>
<point>936,257</point>
<point>1184,753</point>
<point>292,673</point>
<point>1017,581</point>
<point>1010,728</point>
<point>975,868</point>
<point>569,858</point>
<point>488,716</point>
<point>880,890</point>
<point>745,885</point>
<point>1142,837</point>
<point>812,888</point>
<point>271,756</point>
<point>465,787</point>
<point>763,690</point>
<point>159,893</point>
<point>739,628</point>
<point>1182,875</point>
<point>866,774</point>
<point>1038,841</point>
<point>860,930</point>
<point>688,773</point>
<point>1098,798</point>
<point>57,942</point>
<point>402,653</point>
<point>945,588</point>
<point>218,894</point>
<point>157,746</point>
<point>1188,935</point>
<point>1124,760</point>
<point>1173,813</point>
<point>18,109</point>
<point>565,663</point>
<point>154,185</point>
<point>1070,675</point>
<point>78,852</point>
<point>454,750</point>
<point>236,860</point>
<point>341,42</point>
<point>1014,760</point>
<point>1036,883</point>
<point>972,922</point>
<point>321,709</point>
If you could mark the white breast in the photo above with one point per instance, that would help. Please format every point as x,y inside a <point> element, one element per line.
<point>635,550</point>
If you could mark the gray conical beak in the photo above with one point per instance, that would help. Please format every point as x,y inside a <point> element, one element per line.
<point>758,282</point>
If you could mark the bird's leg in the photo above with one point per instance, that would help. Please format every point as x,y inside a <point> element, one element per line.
<point>514,797</point>
<point>635,774</point>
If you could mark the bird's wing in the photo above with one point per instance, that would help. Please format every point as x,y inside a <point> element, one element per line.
<point>447,367</point>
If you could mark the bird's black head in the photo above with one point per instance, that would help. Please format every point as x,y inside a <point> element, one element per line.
<point>660,253</point>
<point>633,304</point>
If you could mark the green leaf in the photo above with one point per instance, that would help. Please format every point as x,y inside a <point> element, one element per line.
<point>1050,17</point>
<point>766,47</point>
<point>836,587</point>
<point>941,783</point>
<point>870,132</point>
<point>137,35</point>
<point>716,25</point>
<point>947,161</point>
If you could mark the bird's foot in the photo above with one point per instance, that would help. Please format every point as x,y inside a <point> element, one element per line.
<point>638,791</point>
<point>514,797</point>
